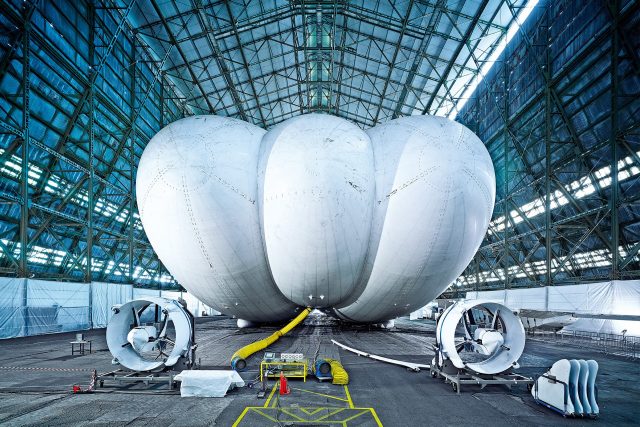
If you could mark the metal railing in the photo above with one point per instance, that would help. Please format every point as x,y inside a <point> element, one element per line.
<point>615,344</point>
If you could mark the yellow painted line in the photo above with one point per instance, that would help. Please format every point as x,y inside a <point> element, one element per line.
<point>240,417</point>
<point>275,401</point>
<point>273,390</point>
<point>330,414</point>
<point>315,410</point>
<point>297,418</point>
<point>375,417</point>
<point>364,411</point>
<point>258,410</point>
<point>320,394</point>
<point>346,391</point>
<point>322,420</point>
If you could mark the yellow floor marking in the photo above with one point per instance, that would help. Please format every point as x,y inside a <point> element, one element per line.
<point>346,391</point>
<point>272,402</point>
<point>330,414</point>
<point>273,390</point>
<point>319,394</point>
<point>265,415</point>
<point>315,410</point>
<point>364,411</point>
<point>375,416</point>
<point>240,417</point>
<point>297,418</point>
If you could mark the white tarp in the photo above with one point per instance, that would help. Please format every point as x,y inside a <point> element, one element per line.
<point>618,297</point>
<point>194,305</point>
<point>607,326</point>
<point>12,310</point>
<point>103,297</point>
<point>141,293</point>
<point>208,383</point>
<point>33,307</point>
<point>56,306</point>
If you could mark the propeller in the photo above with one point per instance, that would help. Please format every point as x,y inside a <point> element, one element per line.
<point>141,346</point>
<point>490,334</point>
<point>147,339</point>
<point>494,321</point>
<point>136,317</point>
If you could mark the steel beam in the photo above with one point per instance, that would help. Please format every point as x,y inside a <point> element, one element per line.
<point>454,57</point>
<point>24,166</point>
<point>173,42</point>
<point>91,16</point>
<point>614,8</point>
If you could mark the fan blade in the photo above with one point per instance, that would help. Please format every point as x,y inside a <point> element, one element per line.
<point>494,321</point>
<point>165,323</point>
<point>465,323</point>
<point>167,339</point>
<point>137,313</point>
<point>136,317</point>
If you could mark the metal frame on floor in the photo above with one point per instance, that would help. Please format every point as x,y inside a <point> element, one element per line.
<point>120,377</point>
<point>467,377</point>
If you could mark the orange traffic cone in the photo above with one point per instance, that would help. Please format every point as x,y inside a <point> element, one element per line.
<point>284,387</point>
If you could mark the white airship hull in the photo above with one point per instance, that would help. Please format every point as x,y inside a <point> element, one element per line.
<point>197,197</point>
<point>317,200</point>
<point>435,190</point>
<point>315,212</point>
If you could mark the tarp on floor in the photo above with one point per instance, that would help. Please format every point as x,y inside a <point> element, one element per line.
<point>203,383</point>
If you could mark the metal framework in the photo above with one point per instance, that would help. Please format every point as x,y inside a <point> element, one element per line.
<point>85,84</point>
<point>560,114</point>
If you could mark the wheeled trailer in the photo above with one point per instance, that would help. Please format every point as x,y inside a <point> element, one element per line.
<point>463,376</point>
<point>121,377</point>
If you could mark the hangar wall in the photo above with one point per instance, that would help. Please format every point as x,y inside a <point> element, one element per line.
<point>558,113</point>
<point>613,298</point>
<point>35,307</point>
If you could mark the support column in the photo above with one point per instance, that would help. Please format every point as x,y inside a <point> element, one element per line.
<point>547,150</point>
<point>24,166</point>
<point>90,314</point>
<point>477,284</point>
<point>91,11</point>
<point>161,99</point>
<point>25,305</point>
<point>613,138</point>
<point>132,139</point>
<point>90,202</point>
<point>505,136</point>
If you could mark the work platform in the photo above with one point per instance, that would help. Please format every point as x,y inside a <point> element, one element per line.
<point>37,375</point>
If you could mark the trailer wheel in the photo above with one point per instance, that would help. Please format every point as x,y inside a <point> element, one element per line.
<point>454,386</point>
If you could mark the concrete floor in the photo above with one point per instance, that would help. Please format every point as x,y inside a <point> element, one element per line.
<point>37,374</point>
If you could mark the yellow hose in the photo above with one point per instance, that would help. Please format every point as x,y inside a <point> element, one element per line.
<point>338,372</point>
<point>238,360</point>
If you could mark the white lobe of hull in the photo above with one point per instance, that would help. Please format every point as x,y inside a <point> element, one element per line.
<point>435,190</point>
<point>197,190</point>
<point>317,199</point>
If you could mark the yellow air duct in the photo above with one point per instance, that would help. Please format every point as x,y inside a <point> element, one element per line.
<point>338,372</point>
<point>238,360</point>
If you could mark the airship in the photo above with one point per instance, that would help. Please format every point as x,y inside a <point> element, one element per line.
<point>366,225</point>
